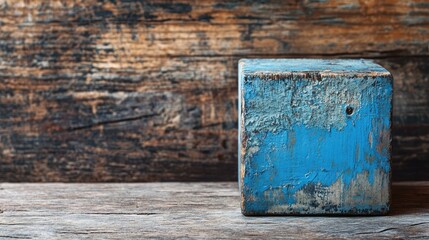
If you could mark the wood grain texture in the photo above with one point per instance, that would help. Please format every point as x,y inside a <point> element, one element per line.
<point>118,90</point>
<point>187,210</point>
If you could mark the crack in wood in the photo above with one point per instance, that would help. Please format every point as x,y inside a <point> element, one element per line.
<point>121,213</point>
<point>392,228</point>
<point>15,237</point>
<point>417,224</point>
<point>84,233</point>
<point>103,123</point>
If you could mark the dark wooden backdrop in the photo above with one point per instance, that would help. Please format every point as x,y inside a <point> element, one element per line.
<point>121,90</point>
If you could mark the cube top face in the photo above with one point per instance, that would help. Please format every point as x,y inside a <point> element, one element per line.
<point>322,66</point>
<point>314,136</point>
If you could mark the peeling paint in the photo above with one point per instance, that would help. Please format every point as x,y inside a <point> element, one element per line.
<point>314,133</point>
<point>316,198</point>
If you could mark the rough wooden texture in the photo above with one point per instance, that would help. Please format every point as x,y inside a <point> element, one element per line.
<point>314,136</point>
<point>119,90</point>
<point>187,210</point>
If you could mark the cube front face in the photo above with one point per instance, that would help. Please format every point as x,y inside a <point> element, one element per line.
<point>314,137</point>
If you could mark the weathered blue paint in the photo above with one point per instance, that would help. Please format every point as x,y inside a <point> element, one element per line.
<point>301,151</point>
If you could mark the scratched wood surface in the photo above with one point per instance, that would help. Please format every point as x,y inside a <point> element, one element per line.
<point>186,210</point>
<point>118,90</point>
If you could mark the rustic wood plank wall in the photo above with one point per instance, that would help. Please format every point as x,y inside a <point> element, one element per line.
<point>121,90</point>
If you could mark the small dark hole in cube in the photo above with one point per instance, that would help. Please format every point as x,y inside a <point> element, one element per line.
<point>349,110</point>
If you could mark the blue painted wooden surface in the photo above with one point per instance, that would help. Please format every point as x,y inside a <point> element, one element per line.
<point>314,136</point>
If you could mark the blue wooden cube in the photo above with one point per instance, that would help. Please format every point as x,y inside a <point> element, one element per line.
<point>314,136</point>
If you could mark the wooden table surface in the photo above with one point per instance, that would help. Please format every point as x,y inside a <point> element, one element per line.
<point>185,210</point>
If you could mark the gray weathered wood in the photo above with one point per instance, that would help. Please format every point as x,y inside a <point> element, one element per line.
<point>186,210</point>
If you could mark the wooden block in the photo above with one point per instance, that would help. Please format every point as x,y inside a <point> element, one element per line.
<point>314,136</point>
